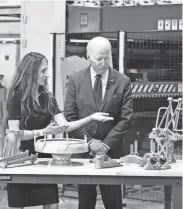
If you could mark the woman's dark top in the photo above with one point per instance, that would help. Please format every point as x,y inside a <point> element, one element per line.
<point>24,195</point>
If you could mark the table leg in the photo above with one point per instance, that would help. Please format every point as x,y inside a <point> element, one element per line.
<point>167,197</point>
<point>177,197</point>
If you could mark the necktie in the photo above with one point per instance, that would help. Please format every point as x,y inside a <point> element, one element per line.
<point>98,90</point>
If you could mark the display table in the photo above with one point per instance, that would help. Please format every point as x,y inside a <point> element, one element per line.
<point>83,172</point>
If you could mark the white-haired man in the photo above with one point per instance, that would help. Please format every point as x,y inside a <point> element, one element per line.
<point>100,88</point>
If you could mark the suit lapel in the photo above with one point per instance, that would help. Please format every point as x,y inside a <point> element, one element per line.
<point>89,95</point>
<point>109,87</point>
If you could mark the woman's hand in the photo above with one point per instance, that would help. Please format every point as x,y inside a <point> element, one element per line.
<point>101,116</point>
<point>54,128</point>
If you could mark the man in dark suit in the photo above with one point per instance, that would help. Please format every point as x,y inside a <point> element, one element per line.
<point>100,88</point>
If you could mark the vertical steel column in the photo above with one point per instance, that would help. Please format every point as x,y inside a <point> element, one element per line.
<point>121,51</point>
<point>59,58</point>
<point>51,64</point>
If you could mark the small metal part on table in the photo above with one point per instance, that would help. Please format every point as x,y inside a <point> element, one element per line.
<point>103,162</point>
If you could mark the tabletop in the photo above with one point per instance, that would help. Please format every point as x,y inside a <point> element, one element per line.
<point>44,166</point>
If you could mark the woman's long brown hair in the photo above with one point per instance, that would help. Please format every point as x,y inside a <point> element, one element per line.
<point>25,81</point>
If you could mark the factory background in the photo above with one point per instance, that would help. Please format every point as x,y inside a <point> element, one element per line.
<point>146,38</point>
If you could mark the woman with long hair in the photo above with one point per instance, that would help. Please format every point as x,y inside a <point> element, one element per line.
<point>33,109</point>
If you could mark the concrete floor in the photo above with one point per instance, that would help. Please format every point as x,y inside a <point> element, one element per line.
<point>72,203</point>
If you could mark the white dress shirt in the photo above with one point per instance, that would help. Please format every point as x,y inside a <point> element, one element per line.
<point>104,79</point>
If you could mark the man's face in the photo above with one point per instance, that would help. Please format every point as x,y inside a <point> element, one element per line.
<point>99,60</point>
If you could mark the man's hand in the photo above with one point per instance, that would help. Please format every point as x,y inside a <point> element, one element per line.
<point>102,149</point>
<point>94,145</point>
<point>97,147</point>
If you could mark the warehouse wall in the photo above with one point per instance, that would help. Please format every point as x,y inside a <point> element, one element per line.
<point>41,19</point>
<point>132,18</point>
<point>137,18</point>
<point>9,27</point>
<point>74,19</point>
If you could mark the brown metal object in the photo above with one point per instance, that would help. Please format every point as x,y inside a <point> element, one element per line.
<point>131,158</point>
<point>154,161</point>
<point>15,157</point>
<point>104,161</point>
<point>18,159</point>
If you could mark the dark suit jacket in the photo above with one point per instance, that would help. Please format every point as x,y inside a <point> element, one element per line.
<point>80,102</point>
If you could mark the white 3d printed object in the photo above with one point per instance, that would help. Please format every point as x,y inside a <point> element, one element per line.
<point>61,148</point>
